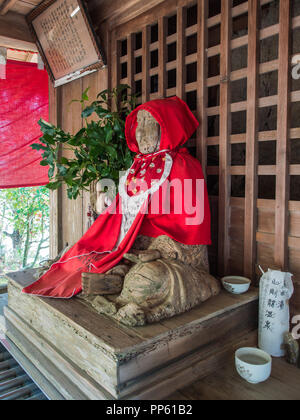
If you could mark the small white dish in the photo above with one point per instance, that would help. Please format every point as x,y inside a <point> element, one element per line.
<point>236,285</point>
<point>253,365</point>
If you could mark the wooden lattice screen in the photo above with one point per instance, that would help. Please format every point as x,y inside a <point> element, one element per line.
<point>231,61</point>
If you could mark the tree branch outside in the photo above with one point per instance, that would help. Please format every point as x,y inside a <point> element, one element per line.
<point>24,228</point>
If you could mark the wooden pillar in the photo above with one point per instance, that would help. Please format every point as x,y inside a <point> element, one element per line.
<point>202,78</point>
<point>72,210</point>
<point>115,61</point>
<point>283,125</point>
<point>181,69</point>
<point>130,61</point>
<point>225,132</point>
<point>146,64</point>
<point>56,237</point>
<point>251,142</point>
<point>96,82</point>
<point>162,59</point>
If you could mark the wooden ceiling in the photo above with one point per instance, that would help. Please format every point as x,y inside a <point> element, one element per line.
<point>14,31</point>
<point>17,6</point>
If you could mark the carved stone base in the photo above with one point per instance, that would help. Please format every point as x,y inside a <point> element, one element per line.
<point>89,356</point>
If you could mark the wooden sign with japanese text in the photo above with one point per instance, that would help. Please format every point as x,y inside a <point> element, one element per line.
<point>65,38</point>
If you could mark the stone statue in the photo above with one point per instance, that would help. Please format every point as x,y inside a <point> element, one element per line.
<point>160,277</point>
<point>144,259</point>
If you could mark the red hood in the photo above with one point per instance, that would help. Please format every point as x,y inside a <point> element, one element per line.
<point>176,120</point>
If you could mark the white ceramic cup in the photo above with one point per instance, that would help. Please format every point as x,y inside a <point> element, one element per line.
<point>253,365</point>
<point>236,285</point>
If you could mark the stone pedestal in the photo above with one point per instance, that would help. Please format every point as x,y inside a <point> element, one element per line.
<point>85,355</point>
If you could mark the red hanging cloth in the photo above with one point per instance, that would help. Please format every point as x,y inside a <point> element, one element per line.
<point>24,99</point>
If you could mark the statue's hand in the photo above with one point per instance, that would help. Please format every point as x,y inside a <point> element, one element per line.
<point>109,283</point>
<point>101,284</point>
<point>120,270</point>
<point>143,256</point>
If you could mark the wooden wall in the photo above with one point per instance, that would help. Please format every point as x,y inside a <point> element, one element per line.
<point>231,61</point>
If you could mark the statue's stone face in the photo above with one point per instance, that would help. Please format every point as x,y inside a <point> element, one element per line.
<point>148,133</point>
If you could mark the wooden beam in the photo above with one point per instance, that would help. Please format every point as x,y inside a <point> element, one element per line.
<point>6,6</point>
<point>14,32</point>
<point>283,124</point>
<point>225,131</point>
<point>121,11</point>
<point>251,143</point>
<point>17,44</point>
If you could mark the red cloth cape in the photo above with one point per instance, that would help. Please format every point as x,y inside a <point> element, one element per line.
<point>177,123</point>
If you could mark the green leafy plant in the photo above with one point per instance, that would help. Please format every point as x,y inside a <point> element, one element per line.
<point>99,148</point>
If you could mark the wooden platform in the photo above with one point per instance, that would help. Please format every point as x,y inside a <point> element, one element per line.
<point>227,385</point>
<point>88,356</point>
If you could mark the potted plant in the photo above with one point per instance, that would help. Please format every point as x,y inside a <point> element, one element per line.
<point>99,148</point>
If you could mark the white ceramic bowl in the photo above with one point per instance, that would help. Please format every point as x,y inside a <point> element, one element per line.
<point>253,365</point>
<point>236,285</point>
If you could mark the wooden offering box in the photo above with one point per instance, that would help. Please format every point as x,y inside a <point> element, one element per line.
<point>84,355</point>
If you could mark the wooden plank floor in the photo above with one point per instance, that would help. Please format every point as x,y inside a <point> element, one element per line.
<point>120,359</point>
<point>14,383</point>
<point>226,384</point>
